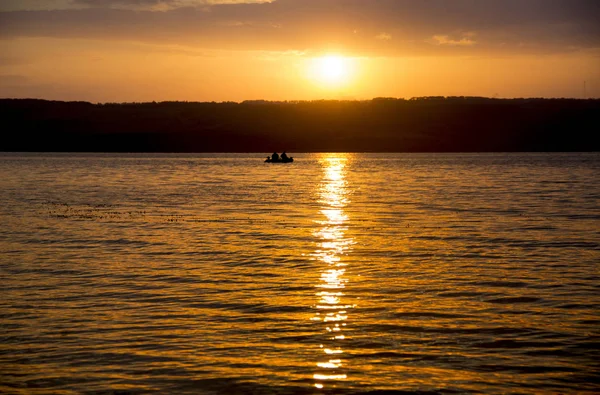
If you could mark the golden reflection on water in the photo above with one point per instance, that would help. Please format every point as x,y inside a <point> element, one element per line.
<point>331,308</point>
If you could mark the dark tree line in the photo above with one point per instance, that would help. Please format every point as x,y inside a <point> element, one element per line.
<point>430,124</point>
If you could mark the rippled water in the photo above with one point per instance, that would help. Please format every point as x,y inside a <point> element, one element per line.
<point>338,273</point>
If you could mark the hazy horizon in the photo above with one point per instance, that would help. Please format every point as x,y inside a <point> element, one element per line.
<point>292,101</point>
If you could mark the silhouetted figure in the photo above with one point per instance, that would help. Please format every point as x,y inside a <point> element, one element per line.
<point>275,158</point>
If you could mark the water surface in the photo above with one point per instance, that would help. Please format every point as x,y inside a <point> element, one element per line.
<point>342,273</point>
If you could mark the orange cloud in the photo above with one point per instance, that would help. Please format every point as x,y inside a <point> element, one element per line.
<point>446,40</point>
<point>383,36</point>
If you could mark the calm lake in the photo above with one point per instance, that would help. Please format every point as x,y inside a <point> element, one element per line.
<point>338,273</point>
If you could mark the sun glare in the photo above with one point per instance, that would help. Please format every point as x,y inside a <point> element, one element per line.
<point>332,70</point>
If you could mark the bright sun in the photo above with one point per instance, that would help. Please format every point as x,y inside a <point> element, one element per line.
<point>330,70</point>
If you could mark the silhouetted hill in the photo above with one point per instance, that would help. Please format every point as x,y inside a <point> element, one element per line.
<point>432,124</point>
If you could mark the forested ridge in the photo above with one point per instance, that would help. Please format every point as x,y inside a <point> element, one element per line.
<point>428,124</point>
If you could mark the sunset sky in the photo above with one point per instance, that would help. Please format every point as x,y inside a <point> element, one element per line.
<point>221,50</point>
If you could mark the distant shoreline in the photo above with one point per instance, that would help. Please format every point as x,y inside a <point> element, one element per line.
<point>386,125</point>
<point>261,155</point>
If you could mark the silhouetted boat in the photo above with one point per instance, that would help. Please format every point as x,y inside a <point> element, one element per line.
<point>288,160</point>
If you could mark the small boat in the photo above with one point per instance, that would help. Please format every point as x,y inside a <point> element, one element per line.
<point>288,160</point>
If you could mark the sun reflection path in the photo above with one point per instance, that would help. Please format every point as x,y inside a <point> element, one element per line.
<point>331,308</point>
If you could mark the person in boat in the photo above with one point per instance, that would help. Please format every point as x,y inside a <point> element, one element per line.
<point>275,157</point>
<point>284,157</point>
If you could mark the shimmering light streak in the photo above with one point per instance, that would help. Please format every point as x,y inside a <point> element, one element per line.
<point>336,317</point>
<point>332,364</point>
<point>333,245</point>
<point>330,376</point>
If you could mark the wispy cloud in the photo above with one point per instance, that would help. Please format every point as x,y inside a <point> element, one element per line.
<point>383,36</point>
<point>466,40</point>
<point>160,5</point>
<point>149,5</point>
<point>385,27</point>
